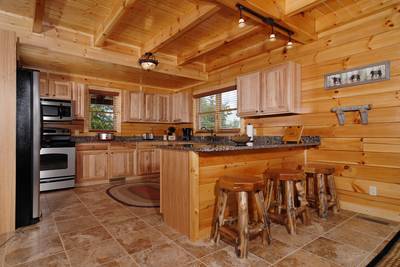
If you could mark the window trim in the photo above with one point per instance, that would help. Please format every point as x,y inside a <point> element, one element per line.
<point>217,112</point>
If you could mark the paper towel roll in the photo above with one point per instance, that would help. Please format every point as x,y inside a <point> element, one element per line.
<point>250,131</point>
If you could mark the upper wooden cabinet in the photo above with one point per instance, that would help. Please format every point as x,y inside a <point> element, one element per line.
<point>163,108</point>
<point>132,106</point>
<point>79,100</point>
<point>276,90</point>
<point>182,107</point>
<point>150,107</point>
<point>55,89</point>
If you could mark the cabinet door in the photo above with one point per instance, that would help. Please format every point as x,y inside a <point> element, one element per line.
<point>122,163</point>
<point>44,88</point>
<point>155,167</point>
<point>248,87</point>
<point>92,165</point>
<point>182,107</point>
<point>60,89</point>
<point>145,157</point>
<point>132,106</point>
<point>163,108</point>
<point>275,96</point>
<point>150,107</point>
<point>79,100</point>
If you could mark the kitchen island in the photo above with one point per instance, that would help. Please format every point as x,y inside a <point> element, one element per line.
<point>189,173</point>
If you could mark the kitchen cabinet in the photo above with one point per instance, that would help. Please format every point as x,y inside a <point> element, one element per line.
<point>276,90</point>
<point>44,88</point>
<point>92,165</point>
<point>132,106</point>
<point>150,107</point>
<point>182,107</point>
<point>164,108</point>
<point>79,100</point>
<point>148,161</point>
<point>121,163</point>
<point>60,89</point>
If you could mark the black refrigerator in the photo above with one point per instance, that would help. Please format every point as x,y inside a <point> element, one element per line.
<point>28,148</point>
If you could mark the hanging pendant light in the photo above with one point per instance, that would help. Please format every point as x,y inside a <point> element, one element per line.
<point>289,44</point>
<point>272,36</point>
<point>148,61</point>
<point>242,22</point>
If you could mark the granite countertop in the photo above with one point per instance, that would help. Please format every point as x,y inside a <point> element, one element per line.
<point>307,141</point>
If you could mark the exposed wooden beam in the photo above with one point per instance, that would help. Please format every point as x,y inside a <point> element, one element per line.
<point>226,38</point>
<point>182,25</point>
<point>38,16</point>
<point>102,55</point>
<point>302,24</point>
<point>295,7</point>
<point>107,26</point>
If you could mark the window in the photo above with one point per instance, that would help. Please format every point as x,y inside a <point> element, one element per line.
<point>218,112</point>
<point>102,111</point>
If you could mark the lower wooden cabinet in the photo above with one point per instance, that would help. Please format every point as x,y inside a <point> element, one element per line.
<point>148,161</point>
<point>121,163</point>
<point>92,165</point>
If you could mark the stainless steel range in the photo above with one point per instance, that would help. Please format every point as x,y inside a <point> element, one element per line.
<point>57,159</point>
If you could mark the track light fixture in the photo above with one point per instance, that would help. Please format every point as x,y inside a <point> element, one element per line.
<point>289,44</point>
<point>272,36</point>
<point>242,22</point>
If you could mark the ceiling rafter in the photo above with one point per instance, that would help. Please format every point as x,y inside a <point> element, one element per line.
<point>106,27</point>
<point>38,16</point>
<point>302,24</point>
<point>183,24</point>
<point>233,35</point>
<point>295,7</point>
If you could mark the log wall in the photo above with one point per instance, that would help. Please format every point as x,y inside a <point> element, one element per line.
<point>364,155</point>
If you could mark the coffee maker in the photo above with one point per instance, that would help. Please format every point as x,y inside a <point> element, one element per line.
<point>187,134</point>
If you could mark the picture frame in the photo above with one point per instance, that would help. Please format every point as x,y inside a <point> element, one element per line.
<point>356,76</point>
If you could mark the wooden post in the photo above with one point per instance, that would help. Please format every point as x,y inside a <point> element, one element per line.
<point>266,235</point>
<point>303,202</point>
<point>290,208</point>
<point>322,199</point>
<point>243,224</point>
<point>332,191</point>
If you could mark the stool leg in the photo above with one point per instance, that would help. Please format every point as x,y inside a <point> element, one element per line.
<point>219,220</point>
<point>290,208</point>
<point>322,199</point>
<point>332,191</point>
<point>243,224</point>
<point>278,192</point>
<point>259,196</point>
<point>303,202</point>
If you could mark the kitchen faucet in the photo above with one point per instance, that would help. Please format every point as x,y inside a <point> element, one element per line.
<point>211,131</point>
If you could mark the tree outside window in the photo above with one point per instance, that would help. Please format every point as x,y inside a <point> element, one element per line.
<point>102,112</point>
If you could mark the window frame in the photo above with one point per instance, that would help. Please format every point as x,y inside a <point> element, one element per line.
<point>217,127</point>
<point>115,112</point>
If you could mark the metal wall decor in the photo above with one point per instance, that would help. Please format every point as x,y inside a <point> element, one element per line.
<point>362,75</point>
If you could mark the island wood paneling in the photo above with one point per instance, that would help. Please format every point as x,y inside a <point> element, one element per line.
<point>364,155</point>
<point>214,165</point>
<point>8,132</point>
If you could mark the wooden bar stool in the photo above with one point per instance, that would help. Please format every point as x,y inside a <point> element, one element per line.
<point>242,230</point>
<point>319,179</point>
<point>282,186</point>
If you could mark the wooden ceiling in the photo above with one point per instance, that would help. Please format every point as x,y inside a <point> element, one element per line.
<point>191,38</point>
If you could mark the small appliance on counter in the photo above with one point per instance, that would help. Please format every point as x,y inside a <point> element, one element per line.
<point>105,136</point>
<point>57,159</point>
<point>148,136</point>
<point>187,134</point>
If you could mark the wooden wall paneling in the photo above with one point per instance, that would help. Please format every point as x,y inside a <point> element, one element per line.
<point>8,123</point>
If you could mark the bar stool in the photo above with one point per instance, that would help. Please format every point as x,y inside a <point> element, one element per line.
<point>282,185</point>
<point>320,179</point>
<point>240,234</point>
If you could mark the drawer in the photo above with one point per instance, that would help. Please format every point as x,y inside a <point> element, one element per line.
<point>92,146</point>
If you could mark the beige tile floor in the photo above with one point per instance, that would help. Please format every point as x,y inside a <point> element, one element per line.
<point>84,227</point>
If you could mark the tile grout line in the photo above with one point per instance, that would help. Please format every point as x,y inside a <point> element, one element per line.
<point>112,236</point>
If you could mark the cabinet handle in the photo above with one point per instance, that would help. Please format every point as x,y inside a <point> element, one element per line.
<point>262,110</point>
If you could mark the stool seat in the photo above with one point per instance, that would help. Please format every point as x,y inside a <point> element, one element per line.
<point>319,168</point>
<point>241,183</point>
<point>285,174</point>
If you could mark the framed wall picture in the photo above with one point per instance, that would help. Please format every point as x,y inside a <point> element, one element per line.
<point>362,75</point>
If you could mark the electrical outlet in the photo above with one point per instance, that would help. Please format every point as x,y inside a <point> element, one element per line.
<point>373,191</point>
